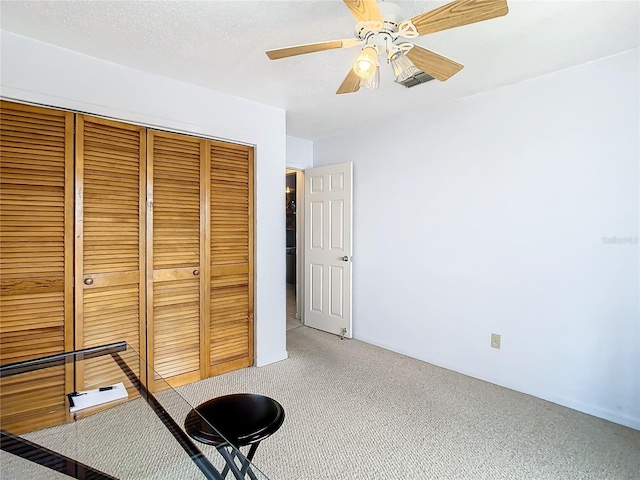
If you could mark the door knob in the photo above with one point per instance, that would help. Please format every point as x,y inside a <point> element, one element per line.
<point>88,281</point>
<point>196,272</point>
<point>345,258</point>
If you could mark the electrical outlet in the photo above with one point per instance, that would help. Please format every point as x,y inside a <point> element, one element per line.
<point>495,340</point>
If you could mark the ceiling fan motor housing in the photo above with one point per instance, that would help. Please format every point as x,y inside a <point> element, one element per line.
<point>392,16</point>
<point>382,35</point>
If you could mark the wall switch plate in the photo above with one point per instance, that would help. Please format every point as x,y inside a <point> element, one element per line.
<point>495,340</point>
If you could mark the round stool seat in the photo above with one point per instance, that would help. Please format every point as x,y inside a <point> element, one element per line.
<point>242,418</point>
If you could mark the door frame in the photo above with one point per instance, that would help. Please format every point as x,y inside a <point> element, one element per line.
<point>300,284</point>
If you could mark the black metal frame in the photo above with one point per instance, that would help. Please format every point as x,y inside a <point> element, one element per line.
<point>60,359</point>
<point>50,459</point>
<point>60,463</point>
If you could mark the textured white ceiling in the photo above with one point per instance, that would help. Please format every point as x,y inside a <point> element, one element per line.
<point>220,45</point>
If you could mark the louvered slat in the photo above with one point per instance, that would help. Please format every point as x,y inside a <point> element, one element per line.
<point>36,161</point>
<point>230,203</point>
<point>111,198</point>
<point>176,200</point>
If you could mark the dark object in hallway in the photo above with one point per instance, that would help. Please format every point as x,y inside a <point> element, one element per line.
<point>291,264</point>
<point>290,206</point>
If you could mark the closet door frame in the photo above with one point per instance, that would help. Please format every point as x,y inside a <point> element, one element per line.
<point>205,260</point>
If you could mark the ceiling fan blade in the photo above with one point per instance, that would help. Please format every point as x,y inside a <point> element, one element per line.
<point>364,9</point>
<point>350,84</point>
<point>437,66</point>
<point>312,47</point>
<point>458,13</point>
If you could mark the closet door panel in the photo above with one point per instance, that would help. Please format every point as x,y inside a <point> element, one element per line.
<point>231,301</point>
<point>36,248</point>
<point>110,248</point>
<point>175,228</point>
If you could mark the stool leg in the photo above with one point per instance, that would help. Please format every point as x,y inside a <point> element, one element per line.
<point>231,464</point>
<point>246,463</point>
<point>252,451</point>
<point>252,475</point>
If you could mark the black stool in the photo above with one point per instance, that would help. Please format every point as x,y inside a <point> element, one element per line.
<point>242,419</point>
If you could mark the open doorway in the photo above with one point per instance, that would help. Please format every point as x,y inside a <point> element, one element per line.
<point>293,226</point>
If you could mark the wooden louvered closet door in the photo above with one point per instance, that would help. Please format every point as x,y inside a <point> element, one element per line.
<point>110,243</point>
<point>177,240</point>
<point>173,278</point>
<point>231,315</point>
<point>36,248</point>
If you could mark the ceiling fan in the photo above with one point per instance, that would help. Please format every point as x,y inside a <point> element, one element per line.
<point>382,28</point>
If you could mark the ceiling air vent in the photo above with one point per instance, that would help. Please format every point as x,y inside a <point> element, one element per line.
<point>416,79</point>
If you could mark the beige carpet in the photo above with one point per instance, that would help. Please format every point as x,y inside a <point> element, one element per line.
<point>355,411</point>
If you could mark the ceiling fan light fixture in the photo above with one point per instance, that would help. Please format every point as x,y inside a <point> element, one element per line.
<point>373,82</point>
<point>380,28</point>
<point>366,65</point>
<point>403,68</point>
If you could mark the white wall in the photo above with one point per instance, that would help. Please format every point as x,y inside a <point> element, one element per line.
<point>299,153</point>
<point>488,215</point>
<point>37,72</point>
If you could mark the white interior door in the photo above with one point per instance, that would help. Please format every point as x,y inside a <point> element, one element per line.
<point>328,248</point>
